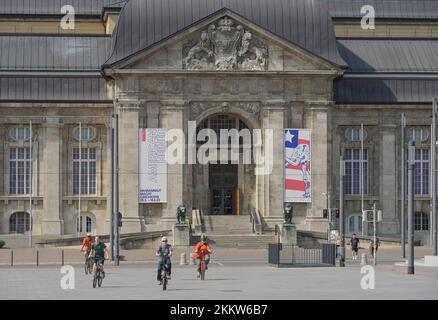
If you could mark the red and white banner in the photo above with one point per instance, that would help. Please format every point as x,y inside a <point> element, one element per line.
<point>297,165</point>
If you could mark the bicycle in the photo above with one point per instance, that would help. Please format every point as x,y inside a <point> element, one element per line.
<point>164,273</point>
<point>88,266</point>
<point>203,266</point>
<point>97,278</point>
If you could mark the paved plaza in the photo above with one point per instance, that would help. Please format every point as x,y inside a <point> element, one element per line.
<point>224,280</point>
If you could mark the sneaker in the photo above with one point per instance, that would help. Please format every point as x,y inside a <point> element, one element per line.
<point>168,277</point>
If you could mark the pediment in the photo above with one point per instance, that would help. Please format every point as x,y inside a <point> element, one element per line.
<point>227,43</point>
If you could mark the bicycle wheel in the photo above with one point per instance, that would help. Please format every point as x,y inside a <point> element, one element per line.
<point>86,266</point>
<point>99,280</point>
<point>164,283</point>
<point>90,266</point>
<point>202,270</point>
<point>95,280</point>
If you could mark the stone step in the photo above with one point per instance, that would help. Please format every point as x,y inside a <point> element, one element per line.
<point>241,240</point>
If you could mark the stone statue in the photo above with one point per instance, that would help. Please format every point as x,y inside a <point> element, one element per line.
<point>225,46</point>
<point>287,213</point>
<point>181,214</point>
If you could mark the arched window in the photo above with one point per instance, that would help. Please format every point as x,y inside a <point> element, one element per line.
<point>355,223</point>
<point>19,222</point>
<point>88,133</point>
<point>354,134</point>
<point>227,122</point>
<point>86,224</point>
<point>19,133</point>
<point>421,221</point>
<point>418,134</point>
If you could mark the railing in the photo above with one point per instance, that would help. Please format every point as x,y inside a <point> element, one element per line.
<point>256,221</point>
<point>293,255</point>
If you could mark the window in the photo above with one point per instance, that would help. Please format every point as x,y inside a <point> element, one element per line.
<point>19,133</point>
<point>19,222</point>
<point>19,170</point>
<point>421,221</point>
<point>421,172</point>
<point>353,171</point>
<point>354,134</point>
<point>86,224</point>
<point>88,133</point>
<point>418,134</point>
<point>87,163</point>
<point>355,224</point>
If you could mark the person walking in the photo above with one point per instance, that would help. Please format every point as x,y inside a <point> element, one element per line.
<point>354,242</point>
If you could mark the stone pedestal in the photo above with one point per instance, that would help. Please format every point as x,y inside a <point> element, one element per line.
<point>181,235</point>
<point>289,234</point>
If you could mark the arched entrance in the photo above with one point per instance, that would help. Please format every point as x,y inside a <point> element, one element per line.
<point>224,187</point>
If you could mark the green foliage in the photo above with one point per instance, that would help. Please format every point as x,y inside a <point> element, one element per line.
<point>2,244</point>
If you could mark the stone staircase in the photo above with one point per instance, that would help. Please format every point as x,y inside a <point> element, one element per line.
<point>233,232</point>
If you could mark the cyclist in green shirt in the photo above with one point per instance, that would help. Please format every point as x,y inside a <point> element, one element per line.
<point>100,252</point>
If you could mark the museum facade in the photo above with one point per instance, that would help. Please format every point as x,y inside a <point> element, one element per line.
<point>245,65</point>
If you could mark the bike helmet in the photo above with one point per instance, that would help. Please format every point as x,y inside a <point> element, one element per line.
<point>203,237</point>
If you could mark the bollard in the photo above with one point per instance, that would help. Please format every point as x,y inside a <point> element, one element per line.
<point>192,260</point>
<point>183,259</point>
<point>37,258</point>
<point>62,257</point>
<point>363,259</point>
<point>12,258</point>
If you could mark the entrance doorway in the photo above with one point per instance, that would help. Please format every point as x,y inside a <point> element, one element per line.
<point>224,188</point>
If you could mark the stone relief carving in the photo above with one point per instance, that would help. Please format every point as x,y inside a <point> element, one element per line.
<point>226,47</point>
<point>196,108</point>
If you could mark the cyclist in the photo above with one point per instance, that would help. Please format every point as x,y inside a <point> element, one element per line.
<point>202,248</point>
<point>164,252</point>
<point>87,243</point>
<point>100,252</point>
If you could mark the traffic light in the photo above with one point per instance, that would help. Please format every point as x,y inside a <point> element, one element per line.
<point>325,213</point>
<point>337,212</point>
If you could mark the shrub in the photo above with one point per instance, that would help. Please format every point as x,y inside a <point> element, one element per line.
<point>2,244</point>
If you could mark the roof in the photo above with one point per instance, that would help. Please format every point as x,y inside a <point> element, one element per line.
<point>381,90</point>
<point>53,7</point>
<point>52,53</point>
<point>391,9</point>
<point>390,55</point>
<point>305,23</point>
<point>72,89</point>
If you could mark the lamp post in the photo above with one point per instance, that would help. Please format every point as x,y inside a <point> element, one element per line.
<point>434,180</point>
<point>411,164</point>
<point>115,186</point>
<point>341,212</point>
<point>402,206</point>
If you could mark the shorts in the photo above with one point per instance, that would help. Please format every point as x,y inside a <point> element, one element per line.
<point>98,260</point>
<point>355,249</point>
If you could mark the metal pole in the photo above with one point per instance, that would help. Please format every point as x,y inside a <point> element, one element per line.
<point>329,210</point>
<point>116,181</point>
<point>411,157</point>
<point>112,191</point>
<point>341,213</point>
<point>361,171</point>
<point>375,233</point>
<point>434,180</point>
<point>30,186</point>
<point>80,179</point>
<point>403,191</point>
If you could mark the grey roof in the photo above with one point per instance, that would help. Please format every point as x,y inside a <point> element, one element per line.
<point>51,53</point>
<point>72,89</point>
<point>305,23</point>
<point>352,90</point>
<point>390,55</point>
<point>53,7</point>
<point>404,9</point>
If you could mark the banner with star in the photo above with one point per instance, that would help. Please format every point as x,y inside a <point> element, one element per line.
<point>297,165</point>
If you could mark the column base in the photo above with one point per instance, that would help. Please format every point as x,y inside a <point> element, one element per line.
<point>132,225</point>
<point>52,227</point>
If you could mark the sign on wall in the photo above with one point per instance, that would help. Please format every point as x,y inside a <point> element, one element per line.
<point>153,166</point>
<point>297,165</point>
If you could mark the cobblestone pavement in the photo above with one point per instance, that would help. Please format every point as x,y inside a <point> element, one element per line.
<point>224,280</point>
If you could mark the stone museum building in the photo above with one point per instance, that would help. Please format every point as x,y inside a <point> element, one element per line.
<point>226,64</point>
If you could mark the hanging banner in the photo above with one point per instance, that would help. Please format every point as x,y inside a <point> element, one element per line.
<point>153,166</point>
<point>297,165</point>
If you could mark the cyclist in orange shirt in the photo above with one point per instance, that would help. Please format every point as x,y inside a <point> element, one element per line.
<point>202,248</point>
<point>87,243</point>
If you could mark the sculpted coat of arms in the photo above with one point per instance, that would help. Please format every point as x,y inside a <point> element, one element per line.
<point>226,47</point>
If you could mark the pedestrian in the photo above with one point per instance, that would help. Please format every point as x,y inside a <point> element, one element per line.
<point>354,242</point>
<point>372,247</point>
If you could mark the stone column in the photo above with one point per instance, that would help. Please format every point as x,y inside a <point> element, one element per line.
<point>318,119</point>
<point>388,180</point>
<point>128,168</point>
<point>273,189</point>
<point>52,222</point>
<point>172,117</point>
